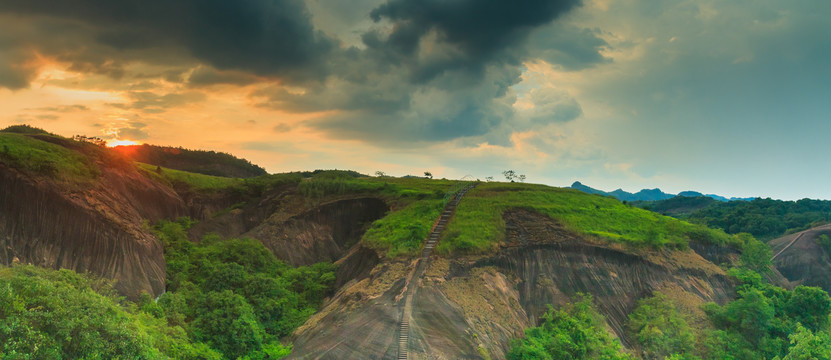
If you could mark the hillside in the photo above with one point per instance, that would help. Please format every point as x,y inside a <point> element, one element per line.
<point>805,257</point>
<point>332,262</point>
<point>678,206</point>
<point>765,218</point>
<point>196,161</point>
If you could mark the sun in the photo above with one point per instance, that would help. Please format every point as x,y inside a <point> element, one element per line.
<point>117,142</point>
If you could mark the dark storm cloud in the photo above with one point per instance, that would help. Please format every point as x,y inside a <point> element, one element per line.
<point>266,37</point>
<point>203,76</point>
<point>444,71</point>
<point>571,47</point>
<point>480,30</point>
<point>429,70</point>
<point>13,73</point>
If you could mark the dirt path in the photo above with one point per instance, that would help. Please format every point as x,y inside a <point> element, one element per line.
<point>799,237</point>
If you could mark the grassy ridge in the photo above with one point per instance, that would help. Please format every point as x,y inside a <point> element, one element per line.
<point>193,180</point>
<point>46,158</point>
<point>478,226</point>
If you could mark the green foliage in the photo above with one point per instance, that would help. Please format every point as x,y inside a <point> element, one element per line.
<point>46,158</point>
<point>24,129</point>
<point>573,332</point>
<point>48,314</point>
<point>194,181</point>
<point>329,183</point>
<point>764,320</point>
<point>806,345</point>
<point>404,231</point>
<point>756,255</point>
<point>809,306</point>
<point>234,295</point>
<point>224,313</point>
<point>194,161</point>
<point>764,218</point>
<point>677,206</point>
<point>660,329</point>
<point>477,225</point>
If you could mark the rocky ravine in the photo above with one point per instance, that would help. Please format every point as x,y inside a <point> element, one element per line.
<point>471,307</point>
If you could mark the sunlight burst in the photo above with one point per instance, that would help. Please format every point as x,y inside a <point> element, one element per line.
<point>117,142</point>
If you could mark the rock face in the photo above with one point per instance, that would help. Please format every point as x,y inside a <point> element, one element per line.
<point>324,233</point>
<point>96,228</point>
<point>802,260</point>
<point>471,307</point>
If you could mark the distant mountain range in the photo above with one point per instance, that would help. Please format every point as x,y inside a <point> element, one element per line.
<point>649,194</point>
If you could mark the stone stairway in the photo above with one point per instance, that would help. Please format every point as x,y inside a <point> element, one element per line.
<point>432,239</point>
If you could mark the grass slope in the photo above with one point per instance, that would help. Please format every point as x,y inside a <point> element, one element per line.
<point>477,226</point>
<point>31,153</point>
<point>193,180</point>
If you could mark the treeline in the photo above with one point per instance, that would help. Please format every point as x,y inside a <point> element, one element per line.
<point>196,161</point>
<point>763,218</point>
<point>763,322</point>
<point>225,299</point>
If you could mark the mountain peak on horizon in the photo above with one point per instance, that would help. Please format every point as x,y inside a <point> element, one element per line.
<point>648,194</point>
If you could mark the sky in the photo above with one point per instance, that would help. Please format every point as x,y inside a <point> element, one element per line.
<point>724,97</point>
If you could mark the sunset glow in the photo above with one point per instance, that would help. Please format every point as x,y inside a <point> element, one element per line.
<point>557,90</point>
<point>117,142</point>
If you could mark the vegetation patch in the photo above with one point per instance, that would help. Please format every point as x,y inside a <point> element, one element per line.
<point>199,182</point>
<point>43,158</point>
<point>403,232</point>
<point>576,331</point>
<point>48,314</point>
<point>477,225</point>
<point>234,295</point>
<point>195,161</point>
<point>763,218</point>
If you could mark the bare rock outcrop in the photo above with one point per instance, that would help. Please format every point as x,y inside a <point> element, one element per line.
<point>323,233</point>
<point>802,260</point>
<point>471,307</point>
<point>96,227</point>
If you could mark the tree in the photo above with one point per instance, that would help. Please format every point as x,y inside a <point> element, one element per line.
<point>510,175</point>
<point>756,255</point>
<point>807,345</point>
<point>380,173</point>
<point>428,174</point>
<point>489,178</point>
<point>810,306</point>
<point>227,322</point>
<point>575,332</point>
<point>521,178</point>
<point>660,328</point>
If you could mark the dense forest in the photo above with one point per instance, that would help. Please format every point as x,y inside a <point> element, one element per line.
<point>763,218</point>
<point>225,299</point>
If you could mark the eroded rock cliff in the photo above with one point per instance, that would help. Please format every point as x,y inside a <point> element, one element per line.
<point>96,227</point>
<point>471,307</point>
<point>801,259</point>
